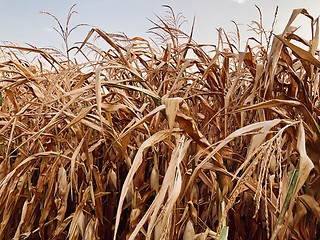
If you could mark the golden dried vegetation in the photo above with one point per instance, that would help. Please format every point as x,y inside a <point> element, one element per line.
<point>163,139</point>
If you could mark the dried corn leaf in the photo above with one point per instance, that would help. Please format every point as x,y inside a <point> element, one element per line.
<point>303,54</point>
<point>305,163</point>
<point>157,137</point>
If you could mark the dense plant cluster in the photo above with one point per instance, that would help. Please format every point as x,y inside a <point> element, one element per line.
<point>164,139</point>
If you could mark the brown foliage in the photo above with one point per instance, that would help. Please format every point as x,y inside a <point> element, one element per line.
<point>162,141</point>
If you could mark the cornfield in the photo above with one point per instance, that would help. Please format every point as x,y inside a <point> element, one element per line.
<point>162,138</point>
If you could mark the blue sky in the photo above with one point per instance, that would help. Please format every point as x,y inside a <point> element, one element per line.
<point>21,22</point>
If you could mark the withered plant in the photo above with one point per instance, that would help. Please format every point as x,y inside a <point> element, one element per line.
<point>165,139</point>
